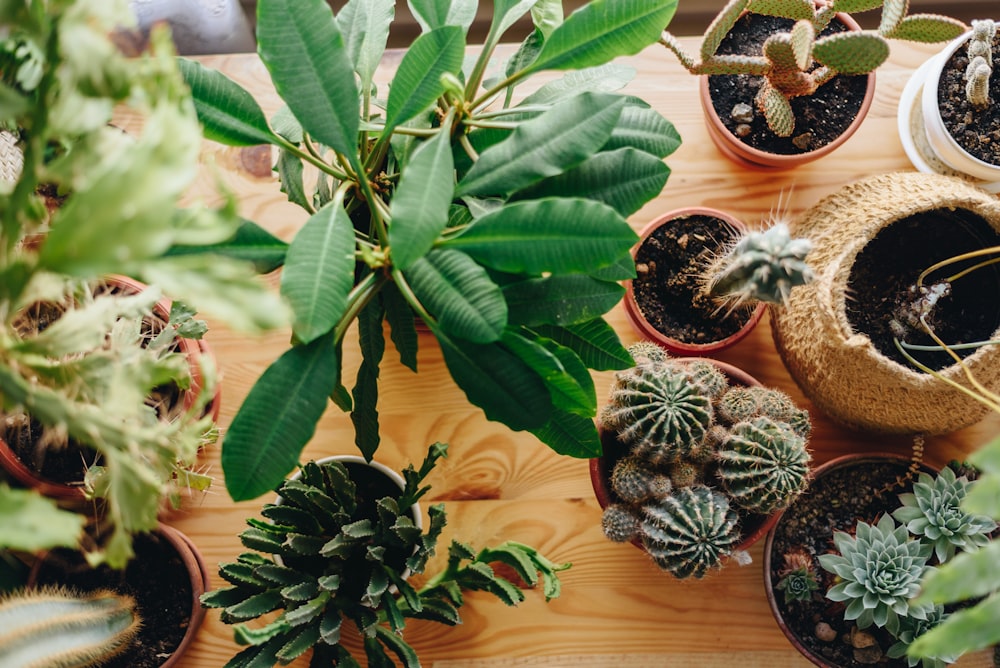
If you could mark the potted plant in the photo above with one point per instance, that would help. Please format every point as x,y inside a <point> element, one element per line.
<point>843,566</point>
<point>788,82</point>
<point>703,281</point>
<point>339,548</point>
<point>450,205</point>
<point>946,116</point>
<point>698,457</point>
<point>837,335</point>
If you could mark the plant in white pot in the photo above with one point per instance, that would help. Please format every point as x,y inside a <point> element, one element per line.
<point>500,226</point>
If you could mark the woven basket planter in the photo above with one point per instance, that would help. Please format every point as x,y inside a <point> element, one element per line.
<point>840,370</point>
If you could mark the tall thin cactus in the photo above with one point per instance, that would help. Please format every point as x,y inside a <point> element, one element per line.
<point>980,68</point>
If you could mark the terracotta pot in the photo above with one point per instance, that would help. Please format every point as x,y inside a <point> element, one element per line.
<point>926,140</point>
<point>749,157</point>
<point>73,494</point>
<point>770,560</point>
<point>647,330</point>
<point>199,579</point>
<point>841,370</point>
<point>754,526</point>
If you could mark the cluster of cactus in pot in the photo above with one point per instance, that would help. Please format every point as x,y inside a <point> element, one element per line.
<point>980,68</point>
<point>875,574</point>
<point>697,456</point>
<point>797,62</point>
<point>331,553</point>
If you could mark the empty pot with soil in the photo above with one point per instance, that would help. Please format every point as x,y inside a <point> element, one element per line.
<point>837,336</point>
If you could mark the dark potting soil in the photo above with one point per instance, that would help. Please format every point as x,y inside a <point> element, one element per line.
<point>158,581</point>
<point>668,285</point>
<point>977,131</point>
<point>834,502</point>
<point>819,118</point>
<point>881,277</point>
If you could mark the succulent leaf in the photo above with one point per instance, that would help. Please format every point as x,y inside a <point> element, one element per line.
<point>852,52</point>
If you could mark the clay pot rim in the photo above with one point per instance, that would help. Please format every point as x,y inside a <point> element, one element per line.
<point>815,474</point>
<point>753,158</point>
<point>596,465</point>
<point>646,329</point>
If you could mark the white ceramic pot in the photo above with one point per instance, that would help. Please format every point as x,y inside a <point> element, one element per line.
<point>925,139</point>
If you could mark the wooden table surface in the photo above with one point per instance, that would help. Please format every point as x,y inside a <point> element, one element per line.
<point>617,609</point>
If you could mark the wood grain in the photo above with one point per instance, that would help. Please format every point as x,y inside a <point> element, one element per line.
<point>617,609</point>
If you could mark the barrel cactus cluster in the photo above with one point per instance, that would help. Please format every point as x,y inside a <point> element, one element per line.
<point>696,457</point>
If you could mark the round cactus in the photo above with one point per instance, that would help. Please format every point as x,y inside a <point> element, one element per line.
<point>706,374</point>
<point>738,404</point>
<point>763,465</point>
<point>690,531</point>
<point>647,351</point>
<point>634,481</point>
<point>619,523</point>
<point>657,409</point>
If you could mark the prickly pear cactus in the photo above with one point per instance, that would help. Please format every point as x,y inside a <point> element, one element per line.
<point>690,532</point>
<point>763,465</point>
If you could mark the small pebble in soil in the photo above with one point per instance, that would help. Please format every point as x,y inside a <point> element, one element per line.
<point>803,141</point>
<point>825,632</point>
<point>742,130</point>
<point>742,113</point>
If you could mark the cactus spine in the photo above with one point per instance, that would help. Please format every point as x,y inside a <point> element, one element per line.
<point>56,628</point>
<point>763,465</point>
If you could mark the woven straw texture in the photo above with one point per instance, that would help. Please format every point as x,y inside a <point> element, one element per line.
<point>11,160</point>
<point>841,371</point>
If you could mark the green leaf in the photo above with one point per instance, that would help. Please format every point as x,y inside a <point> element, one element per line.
<point>422,200</point>
<point>31,522</point>
<point>496,380</point>
<point>319,272</point>
<point>431,14</point>
<point>966,575</point>
<point>228,112</point>
<point>622,270</point>
<point>570,434</point>
<point>555,141</point>
<point>547,15</point>
<point>300,44</point>
<point>595,342</point>
<point>277,419</point>
<point>395,643</point>
<point>459,293</point>
<point>251,242</point>
<point>417,83</point>
<point>965,630</point>
<point>365,394</point>
<point>625,180</point>
<point>851,52</point>
<point>646,129</point>
<point>290,177</point>
<point>560,300</point>
<point>549,235</point>
<point>299,644</point>
<point>402,329</point>
<point>568,380</point>
<point>603,30</point>
<point>364,25</point>
<point>601,79</point>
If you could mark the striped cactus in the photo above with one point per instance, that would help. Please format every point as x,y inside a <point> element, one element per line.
<point>690,532</point>
<point>763,465</point>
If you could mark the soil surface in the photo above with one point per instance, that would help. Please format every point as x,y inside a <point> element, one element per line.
<point>668,285</point>
<point>977,131</point>
<point>881,277</point>
<point>158,581</point>
<point>835,502</point>
<point>819,118</point>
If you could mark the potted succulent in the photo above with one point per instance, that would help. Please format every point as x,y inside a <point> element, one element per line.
<point>838,335</point>
<point>703,281</point>
<point>698,458</point>
<point>446,204</point>
<point>788,82</point>
<point>946,115</point>
<point>843,566</point>
<point>339,548</point>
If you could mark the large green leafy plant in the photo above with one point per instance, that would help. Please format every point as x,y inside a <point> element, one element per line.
<point>501,226</point>
<point>64,71</point>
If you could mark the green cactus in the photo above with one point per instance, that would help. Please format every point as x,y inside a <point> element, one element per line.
<point>763,465</point>
<point>708,376</point>
<point>685,473</point>
<point>689,532</point>
<point>761,267</point>
<point>619,523</point>
<point>798,62</point>
<point>647,351</point>
<point>658,410</point>
<point>740,404</point>
<point>635,482</point>
<point>58,628</point>
<point>977,74</point>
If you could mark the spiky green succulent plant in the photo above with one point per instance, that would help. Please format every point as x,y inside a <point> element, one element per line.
<point>879,571</point>
<point>763,266</point>
<point>798,61</point>
<point>329,555</point>
<point>635,481</point>
<point>980,68</point>
<point>763,465</point>
<point>658,410</point>
<point>934,513</point>
<point>797,577</point>
<point>619,523</point>
<point>911,628</point>
<point>690,532</point>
